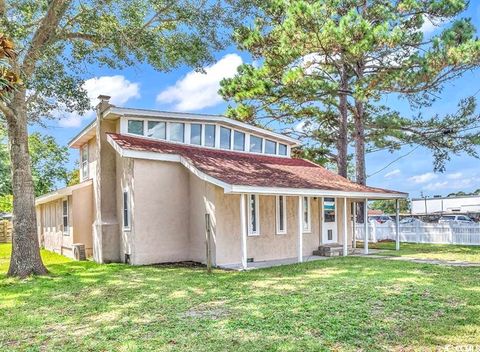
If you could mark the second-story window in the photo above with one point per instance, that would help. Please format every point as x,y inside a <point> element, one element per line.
<point>282,149</point>
<point>238,140</point>
<point>255,144</point>
<point>84,162</point>
<point>270,147</point>
<point>210,135</point>
<point>225,137</point>
<point>177,132</point>
<point>135,127</point>
<point>156,129</point>
<point>196,133</point>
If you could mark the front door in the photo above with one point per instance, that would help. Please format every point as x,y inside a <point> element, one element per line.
<point>329,233</point>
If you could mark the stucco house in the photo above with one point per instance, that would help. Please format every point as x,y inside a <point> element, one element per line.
<point>159,186</point>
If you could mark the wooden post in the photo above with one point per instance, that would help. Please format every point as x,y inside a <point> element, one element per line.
<point>354,224</point>
<point>397,224</point>
<point>243,227</point>
<point>345,229</point>
<point>300,230</point>
<point>365,221</point>
<point>208,242</point>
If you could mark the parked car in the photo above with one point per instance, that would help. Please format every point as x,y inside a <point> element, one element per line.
<point>410,221</point>
<point>455,218</point>
<point>380,218</point>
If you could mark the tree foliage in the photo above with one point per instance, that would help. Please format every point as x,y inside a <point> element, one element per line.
<point>388,206</point>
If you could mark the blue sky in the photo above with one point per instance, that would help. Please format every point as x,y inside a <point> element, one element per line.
<point>184,90</point>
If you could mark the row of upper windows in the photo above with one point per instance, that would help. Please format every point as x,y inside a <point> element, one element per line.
<point>205,135</point>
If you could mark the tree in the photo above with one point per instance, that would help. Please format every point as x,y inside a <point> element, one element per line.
<point>58,39</point>
<point>388,206</point>
<point>319,58</point>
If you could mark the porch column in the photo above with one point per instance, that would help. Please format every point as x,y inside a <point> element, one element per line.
<point>243,227</point>
<point>345,229</point>
<point>354,224</point>
<point>397,224</point>
<point>365,223</point>
<point>300,230</point>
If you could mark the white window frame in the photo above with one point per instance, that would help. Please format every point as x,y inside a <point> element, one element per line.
<point>84,171</point>
<point>307,228</point>
<point>66,230</point>
<point>126,192</point>
<point>257,213</point>
<point>279,220</point>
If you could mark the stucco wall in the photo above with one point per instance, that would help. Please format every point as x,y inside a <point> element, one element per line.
<point>82,217</point>
<point>125,181</point>
<point>161,212</point>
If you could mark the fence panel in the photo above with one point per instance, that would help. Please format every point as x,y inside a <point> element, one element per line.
<point>445,233</point>
<point>5,231</point>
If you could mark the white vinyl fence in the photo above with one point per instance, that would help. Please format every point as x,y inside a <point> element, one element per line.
<point>419,232</point>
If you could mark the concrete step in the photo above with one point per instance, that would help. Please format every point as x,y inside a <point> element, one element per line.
<point>331,250</point>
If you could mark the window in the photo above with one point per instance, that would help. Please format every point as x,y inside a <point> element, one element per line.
<point>225,134</point>
<point>238,140</point>
<point>307,227</point>
<point>270,147</point>
<point>126,210</point>
<point>329,209</point>
<point>177,132</point>
<point>281,215</point>
<point>65,216</point>
<point>135,127</point>
<point>84,162</point>
<point>210,135</point>
<point>255,144</point>
<point>253,224</point>
<point>156,129</point>
<point>196,133</point>
<point>282,149</point>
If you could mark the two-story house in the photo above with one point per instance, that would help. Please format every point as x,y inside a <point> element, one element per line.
<point>159,186</point>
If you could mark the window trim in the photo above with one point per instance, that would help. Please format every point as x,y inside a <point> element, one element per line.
<point>257,214</point>
<point>84,175</point>
<point>308,227</point>
<point>277,213</point>
<point>65,230</point>
<point>126,210</point>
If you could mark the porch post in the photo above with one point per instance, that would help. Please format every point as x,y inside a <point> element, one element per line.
<point>397,224</point>
<point>365,223</point>
<point>300,230</point>
<point>345,229</point>
<point>243,227</point>
<point>354,224</point>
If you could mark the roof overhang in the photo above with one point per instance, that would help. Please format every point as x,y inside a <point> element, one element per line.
<point>84,136</point>
<point>238,189</point>
<point>60,193</point>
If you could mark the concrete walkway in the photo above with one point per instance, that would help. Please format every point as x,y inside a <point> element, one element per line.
<point>422,261</point>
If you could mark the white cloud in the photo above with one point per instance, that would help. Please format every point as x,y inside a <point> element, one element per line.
<point>393,173</point>
<point>199,90</point>
<point>453,184</point>
<point>436,186</point>
<point>118,87</point>
<point>423,178</point>
<point>455,176</point>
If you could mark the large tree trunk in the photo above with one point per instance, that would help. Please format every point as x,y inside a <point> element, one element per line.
<point>361,174</point>
<point>342,140</point>
<point>25,259</point>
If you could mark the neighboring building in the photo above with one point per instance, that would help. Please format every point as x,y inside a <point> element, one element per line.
<point>446,205</point>
<point>152,180</point>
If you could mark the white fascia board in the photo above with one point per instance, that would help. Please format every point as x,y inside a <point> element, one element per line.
<point>199,117</point>
<point>86,131</point>
<point>146,155</point>
<point>60,193</point>
<point>315,192</point>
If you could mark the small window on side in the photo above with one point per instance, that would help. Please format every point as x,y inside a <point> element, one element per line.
<point>126,210</point>
<point>196,133</point>
<point>307,227</point>
<point>270,147</point>
<point>282,149</point>
<point>255,144</point>
<point>135,127</point>
<point>225,138</point>
<point>238,140</point>
<point>84,162</point>
<point>253,211</point>
<point>65,217</point>
<point>281,215</point>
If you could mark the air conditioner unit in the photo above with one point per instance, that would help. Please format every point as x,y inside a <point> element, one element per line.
<point>79,251</point>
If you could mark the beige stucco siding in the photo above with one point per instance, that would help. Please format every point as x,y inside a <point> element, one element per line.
<point>228,237</point>
<point>161,212</point>
<point>82,217</point>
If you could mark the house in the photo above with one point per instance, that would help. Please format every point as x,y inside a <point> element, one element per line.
<point>446,205</point>
<point>162,187</point>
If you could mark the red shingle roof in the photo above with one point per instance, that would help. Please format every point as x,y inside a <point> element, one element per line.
<point>243,169</point>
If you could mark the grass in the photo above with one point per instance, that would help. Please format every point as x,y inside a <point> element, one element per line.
<point>429,251</point>
<point>346,304</point>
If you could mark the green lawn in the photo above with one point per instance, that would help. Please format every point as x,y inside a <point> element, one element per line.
<point>429,251</point>
<point>340,304</point>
